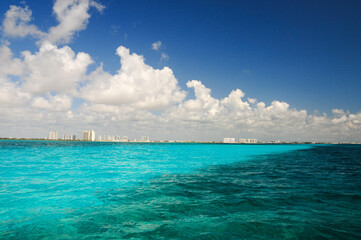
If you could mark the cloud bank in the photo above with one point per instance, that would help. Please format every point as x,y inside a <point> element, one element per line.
<point>53,89</point>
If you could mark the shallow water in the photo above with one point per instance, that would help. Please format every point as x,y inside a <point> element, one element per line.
<point>82,190</point>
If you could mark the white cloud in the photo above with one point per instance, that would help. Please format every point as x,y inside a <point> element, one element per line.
<point>9,65</point>
<point>136,84</point>
<point>73,16</point>
<point>201,118</point>
<point>11,95</point>
<point>235,116</point>
<point>252,100</point>
<point>356,118</point>
<point>53,103</point>
<point>338,111</point>
<point>164,57</point>
<point>30,79</point>
<point>156,45</point>
<point>16,23</point>
<point>97,5</point>
<point>234,100</point>
<point>53,69</point>
<point>205,106</point>
<point>338,120</point>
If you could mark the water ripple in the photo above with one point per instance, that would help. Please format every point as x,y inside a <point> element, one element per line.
<point>311,193</point>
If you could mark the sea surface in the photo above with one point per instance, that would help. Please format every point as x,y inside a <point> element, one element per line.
<point>98,190</point>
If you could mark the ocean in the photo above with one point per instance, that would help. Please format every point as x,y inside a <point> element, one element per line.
<point>106,190</point>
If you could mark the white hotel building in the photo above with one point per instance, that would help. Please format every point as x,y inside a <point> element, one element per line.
<point>89,135</point>
<point>229,140</point>
<point>53,135</point>
<point>144,139</point>
<point>241,140</point>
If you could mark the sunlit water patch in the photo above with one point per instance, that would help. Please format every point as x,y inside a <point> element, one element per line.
<point>62,190</point>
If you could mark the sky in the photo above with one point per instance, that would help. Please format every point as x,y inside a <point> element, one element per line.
<point>182,70</point>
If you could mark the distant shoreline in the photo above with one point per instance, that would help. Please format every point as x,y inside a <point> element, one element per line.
<point>166,141</point>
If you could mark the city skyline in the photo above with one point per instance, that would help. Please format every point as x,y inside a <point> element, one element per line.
<point>247,69</point>
<point>90,135</point>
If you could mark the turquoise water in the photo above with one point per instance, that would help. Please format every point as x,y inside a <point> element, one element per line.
<point>89,190</point>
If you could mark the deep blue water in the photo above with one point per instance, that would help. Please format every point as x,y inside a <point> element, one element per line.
<point>90,190</point>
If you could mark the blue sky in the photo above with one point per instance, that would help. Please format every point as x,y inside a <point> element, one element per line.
<point>305,53</point>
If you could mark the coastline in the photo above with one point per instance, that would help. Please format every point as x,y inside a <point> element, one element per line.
<point>180,141</point>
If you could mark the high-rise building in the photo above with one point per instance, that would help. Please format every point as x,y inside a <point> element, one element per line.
<point>53,135</point>
<point>251,140</point>
<point>229,140</point>
<point>144,139</point>
<point>85,135</point>
<point>125,139</point>
<point>69,137</point>
<point>89,135</point>
<point>242,140</point>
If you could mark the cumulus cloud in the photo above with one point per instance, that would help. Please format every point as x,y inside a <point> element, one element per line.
<point>46,81</point>
<point>73,16</point>
<point>135,83</point>
<point>252,100</point>
<point>156,45</point>
<point>9,65</point>
<point>204,107</point>
<point>16,23</point>
<point>338,111</point>
<point>53,69</point>
<point>11,95</point>
<point>53,103</point>
<point>29,80</point>
<point>234,115</point>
